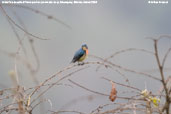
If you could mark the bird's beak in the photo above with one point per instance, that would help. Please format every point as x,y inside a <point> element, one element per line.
<point>87,51</point>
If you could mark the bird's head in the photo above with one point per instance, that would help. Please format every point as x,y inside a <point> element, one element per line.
<point>85,48</point>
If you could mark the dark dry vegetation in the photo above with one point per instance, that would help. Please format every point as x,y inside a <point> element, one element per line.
<point>19,99</point>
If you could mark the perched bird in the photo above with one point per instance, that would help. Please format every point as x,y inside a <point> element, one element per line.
<point>81,54</point>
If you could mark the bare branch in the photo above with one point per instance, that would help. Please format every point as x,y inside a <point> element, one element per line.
<point>9,18</point>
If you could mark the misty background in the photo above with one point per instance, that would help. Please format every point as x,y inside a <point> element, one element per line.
<point>106,27</point>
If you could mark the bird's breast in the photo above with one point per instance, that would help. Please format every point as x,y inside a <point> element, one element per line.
<point>86,51</point>
<point>83,57</point>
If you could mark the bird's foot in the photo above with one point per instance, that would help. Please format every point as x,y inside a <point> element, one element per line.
<point>81,63</point>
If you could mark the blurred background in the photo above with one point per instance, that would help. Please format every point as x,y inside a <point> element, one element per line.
<point>106,27</point>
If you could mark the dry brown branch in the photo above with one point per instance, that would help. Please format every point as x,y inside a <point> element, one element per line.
<point>102,94</point>
<point>41,101</point>
<point>68,75</point>
<point>134,88</point>
<point>31,42</point>
<point>167,102</point>
<point>51,77</point>
<point>99,108</point>
<point>165,57</point>
<point>20,40</point>
<point>87,88</point>
<point>42,14</point>
<point>12,21</point>
<point>164,36</point>
<point>66,111</point>
<point>126,69</point>
<point>124,51</point>
<point>123,107</point>
<point>19,58</point>
<point>66,69</point>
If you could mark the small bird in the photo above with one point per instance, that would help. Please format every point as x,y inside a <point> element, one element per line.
<point>81,54</point>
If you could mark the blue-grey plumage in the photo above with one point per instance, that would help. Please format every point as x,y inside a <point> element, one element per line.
<point>81,54</point>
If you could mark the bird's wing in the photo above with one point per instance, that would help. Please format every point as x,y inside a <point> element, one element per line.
<point>78,55</point>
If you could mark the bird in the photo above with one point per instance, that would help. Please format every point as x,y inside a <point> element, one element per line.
<point>81,54</point>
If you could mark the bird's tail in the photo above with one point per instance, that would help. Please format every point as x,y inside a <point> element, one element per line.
<point>72,62</point>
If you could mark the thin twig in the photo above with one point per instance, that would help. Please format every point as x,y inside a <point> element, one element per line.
<point>70,74</point>
<point>167,102</point>
<point>126,69</point>
<point>134,88</point>
<point>20,26</point>
<point>41,13</point>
